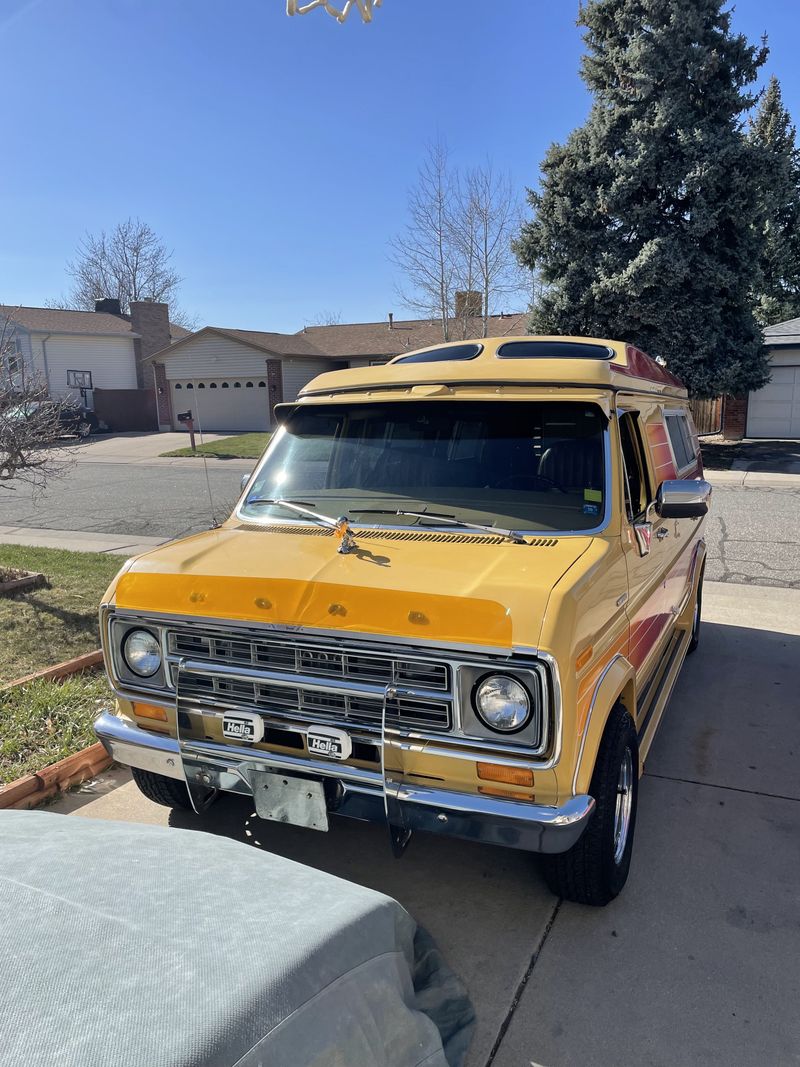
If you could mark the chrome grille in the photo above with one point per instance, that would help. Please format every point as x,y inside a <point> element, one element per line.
<point>296,672</point>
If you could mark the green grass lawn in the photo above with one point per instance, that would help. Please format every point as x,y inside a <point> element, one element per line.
<point>46,626</point>
<point>243,446</point>
<point>44,722</point>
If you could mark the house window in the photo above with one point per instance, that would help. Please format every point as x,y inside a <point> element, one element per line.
<point>237,385</point>
<point>249,385</point>
<point>190,386</point>
<point>225,385</point>
<point>262,385</point>
<point>202,385</point>
<point>213,385</point>
<point>178,385</point>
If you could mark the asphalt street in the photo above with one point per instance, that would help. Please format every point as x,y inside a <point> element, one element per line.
<point>752,531</point>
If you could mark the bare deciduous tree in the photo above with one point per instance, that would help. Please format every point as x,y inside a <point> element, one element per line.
<point>128,263</point>
<point>458,240</point>
<point>326,318</point>
<point>30,422</point>
<point>487,219</point>
<point>425,251</point>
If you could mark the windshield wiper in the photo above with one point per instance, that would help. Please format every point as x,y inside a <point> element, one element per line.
<point>450,520</point>
<point>321,520</point>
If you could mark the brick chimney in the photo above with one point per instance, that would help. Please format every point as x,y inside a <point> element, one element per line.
<point>469,304</point>
<point>109,305</point>
<point>151,321</point>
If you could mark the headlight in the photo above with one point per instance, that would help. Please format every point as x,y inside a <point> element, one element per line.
<point>502,703</point>
<point>142,653</point>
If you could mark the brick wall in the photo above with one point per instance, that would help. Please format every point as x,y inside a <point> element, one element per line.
<point>151,321</point>
<point>163,398</point>
<point>734,417</point>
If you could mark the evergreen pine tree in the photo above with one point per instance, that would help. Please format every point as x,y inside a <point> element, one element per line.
<point>772,132</point>
<point>647,224</point>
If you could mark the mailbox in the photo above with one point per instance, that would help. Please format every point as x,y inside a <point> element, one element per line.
<point>185,416</point>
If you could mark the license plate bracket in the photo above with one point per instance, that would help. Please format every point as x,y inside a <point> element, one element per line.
<point>285,798</point>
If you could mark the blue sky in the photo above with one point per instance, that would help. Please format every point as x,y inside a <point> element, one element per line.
<point>274,155</point>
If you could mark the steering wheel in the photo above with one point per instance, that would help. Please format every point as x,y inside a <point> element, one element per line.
<point>528,481</point>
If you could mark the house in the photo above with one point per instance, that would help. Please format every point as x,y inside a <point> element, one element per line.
<point>773,411</point>
<point>231,379</point>
<point>50,343</point>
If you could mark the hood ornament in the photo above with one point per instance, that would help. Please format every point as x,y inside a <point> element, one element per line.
<point>342,530</point>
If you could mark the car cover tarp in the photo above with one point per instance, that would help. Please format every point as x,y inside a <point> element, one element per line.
<point>142,946</point>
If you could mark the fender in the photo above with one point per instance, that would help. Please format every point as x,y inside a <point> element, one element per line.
<point>618,681</point>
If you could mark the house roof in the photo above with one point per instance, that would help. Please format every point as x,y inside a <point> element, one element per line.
<point>281,344</point>
<point>350,340</point>
<point>59,320</point>
<point>783,332</point>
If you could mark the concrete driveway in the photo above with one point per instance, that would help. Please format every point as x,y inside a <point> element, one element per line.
<point>133,448</point>
<point>697,961</point>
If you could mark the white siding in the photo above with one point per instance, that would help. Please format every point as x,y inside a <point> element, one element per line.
<point>214,357</point>
<point>298,371</point>
<point>110,359</point>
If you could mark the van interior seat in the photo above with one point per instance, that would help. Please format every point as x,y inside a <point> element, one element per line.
<point>573,463</point>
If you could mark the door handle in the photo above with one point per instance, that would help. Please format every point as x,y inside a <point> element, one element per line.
<point>662,533</point>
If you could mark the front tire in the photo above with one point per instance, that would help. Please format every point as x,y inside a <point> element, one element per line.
<point>169,792</point>
<point>596,868</point>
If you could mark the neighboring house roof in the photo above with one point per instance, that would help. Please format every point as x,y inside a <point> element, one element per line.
<point>783,333</point>
<point>353,340</point>
<point>90,323</point>
<point>379,339</point>
<point>279,344</point>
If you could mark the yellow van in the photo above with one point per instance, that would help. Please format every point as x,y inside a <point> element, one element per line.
<point>454,596</point>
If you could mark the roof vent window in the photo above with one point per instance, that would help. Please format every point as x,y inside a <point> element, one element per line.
<point>554,350</point>
<point>442,355</point>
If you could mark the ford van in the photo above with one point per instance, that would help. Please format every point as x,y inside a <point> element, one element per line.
<point>454,597</point>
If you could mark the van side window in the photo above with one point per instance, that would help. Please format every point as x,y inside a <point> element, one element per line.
<point>681,439</point>
<point>637,484</point>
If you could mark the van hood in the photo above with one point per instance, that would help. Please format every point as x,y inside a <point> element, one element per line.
<point>440,587</point>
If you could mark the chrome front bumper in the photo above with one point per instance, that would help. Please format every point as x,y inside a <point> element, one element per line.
<point>358,793</point>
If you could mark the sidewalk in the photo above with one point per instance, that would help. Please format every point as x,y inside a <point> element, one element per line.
<point>76,541</point>
<point>145,450</point>
<point>753,479</point>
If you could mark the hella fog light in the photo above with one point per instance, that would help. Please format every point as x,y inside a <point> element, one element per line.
<point>142,653</point>
<point>502,703</point>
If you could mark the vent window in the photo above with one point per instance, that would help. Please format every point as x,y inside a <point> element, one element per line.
<point>553,350</point>
<point>454,353</point>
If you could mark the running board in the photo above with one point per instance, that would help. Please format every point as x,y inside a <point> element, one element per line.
<point>659,688</point>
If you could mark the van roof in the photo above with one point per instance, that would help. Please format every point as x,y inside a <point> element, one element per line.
<point>526,360</point>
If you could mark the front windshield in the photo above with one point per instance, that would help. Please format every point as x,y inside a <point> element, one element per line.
<point>532,465</point>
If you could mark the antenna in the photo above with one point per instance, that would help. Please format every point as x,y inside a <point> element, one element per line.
<point>214,521</point>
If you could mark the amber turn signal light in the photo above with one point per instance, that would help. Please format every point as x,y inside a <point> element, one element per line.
<point>506,794</point>
<point>496,772</point>
<point>150,711</point>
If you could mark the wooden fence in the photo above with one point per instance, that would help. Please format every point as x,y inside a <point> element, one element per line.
<point>707,415</point>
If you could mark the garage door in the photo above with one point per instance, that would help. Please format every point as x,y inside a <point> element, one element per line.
<point>774,411</point>
<point>230,405</point>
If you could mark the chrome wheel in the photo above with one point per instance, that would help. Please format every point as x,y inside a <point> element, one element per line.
<point>622,813</point>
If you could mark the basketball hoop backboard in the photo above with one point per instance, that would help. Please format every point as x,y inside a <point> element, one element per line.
<point>302,7</point>
<point>79,379</point>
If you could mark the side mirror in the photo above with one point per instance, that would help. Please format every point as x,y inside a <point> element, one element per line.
<point>682,498</point>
